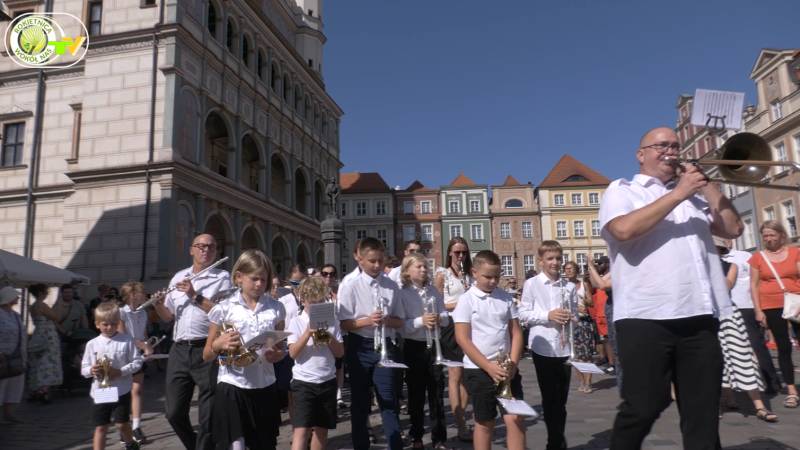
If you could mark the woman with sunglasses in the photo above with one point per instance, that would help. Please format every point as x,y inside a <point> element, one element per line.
<point>453,281</point>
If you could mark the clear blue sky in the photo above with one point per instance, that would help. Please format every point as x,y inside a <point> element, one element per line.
<point>496,88</point>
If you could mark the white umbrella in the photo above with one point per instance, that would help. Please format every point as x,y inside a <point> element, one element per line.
<point>21,272</point>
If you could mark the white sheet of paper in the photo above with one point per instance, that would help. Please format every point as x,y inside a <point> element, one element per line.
<point>586,367</point>
<point>156,356</point>
<point>388,363</point>
<point>106,395</point>
<point>266,339</point>
<point>321,315</point>
<point>448,363</point>
<point>718,103</point>
<point>517,407</point>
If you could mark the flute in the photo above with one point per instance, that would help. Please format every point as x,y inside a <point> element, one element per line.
<point>161,294</point>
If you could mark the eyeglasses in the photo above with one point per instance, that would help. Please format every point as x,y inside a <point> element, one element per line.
<point>328,274</point>
<point>205,247</point>
<point>459,253</point>
<point>661,147</point>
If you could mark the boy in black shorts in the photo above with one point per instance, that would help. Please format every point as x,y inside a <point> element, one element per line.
<point>123,360</point>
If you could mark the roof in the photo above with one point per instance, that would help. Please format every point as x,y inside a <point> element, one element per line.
<point>417,186</point>
<point>462,181</point>
<point>511,181</point>
<point>568,172</point>
<point>765,56</point>
<point>362,183</point>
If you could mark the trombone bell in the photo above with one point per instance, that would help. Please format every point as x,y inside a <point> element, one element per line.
<point>749,147</point>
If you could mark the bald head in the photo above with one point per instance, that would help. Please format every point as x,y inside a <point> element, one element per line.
<point>204,238</point>
<point>652,133</point>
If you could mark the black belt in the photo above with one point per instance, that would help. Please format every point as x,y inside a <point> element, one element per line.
<point>194,343</point>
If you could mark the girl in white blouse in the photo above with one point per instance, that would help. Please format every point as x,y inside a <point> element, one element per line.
<point>245,411</point>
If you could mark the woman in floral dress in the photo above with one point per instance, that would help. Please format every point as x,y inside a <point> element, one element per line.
<point>44,350</point>
<point>583,329</point>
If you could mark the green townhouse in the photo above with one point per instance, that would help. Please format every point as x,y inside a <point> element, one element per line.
<point>465,213</point>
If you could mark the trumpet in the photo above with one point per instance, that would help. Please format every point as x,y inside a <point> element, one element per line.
<point>321,336</point>
<point>152,341</point>
<point>240,356</point>
<point>432,335</point>
<point>379,343</point>
<point>105,366</point>
<point>503,387</point>
<point>163,293</point>
<point>463,276</point>
<point>567,333</point>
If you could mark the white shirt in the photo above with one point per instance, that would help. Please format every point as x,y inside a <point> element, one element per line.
<point>249,323</point>
<point>672,271</point>
<point>540,295</point>
<point>135,322</point>
<point>394,275</point>
<point>191,322</point>
<point>315,364</point>
<point>740,294</point>
<point>453,285</point>
<point>123,355</point>
<point>488,314</point>
<point>358,298</point>
<point>350,276</point>
<point>413,300</point>
<point>291,306</point>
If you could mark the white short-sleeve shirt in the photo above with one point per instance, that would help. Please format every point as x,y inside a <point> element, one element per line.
<point>362,295</point>
<point>315,364</point>
<point>191,322</point>
<point>249,323</point>
<point>488,314</point>
<point>135,322</point>
<point>291,305</point>
<point>740,294</point>
<point>671,272</point>
<point>123,355</point>
<point>540,295</point>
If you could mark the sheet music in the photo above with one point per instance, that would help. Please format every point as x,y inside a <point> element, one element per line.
<point>517,407</point>
<point>388,363</point>
<point>449,363</point>
<point>321,315</point>
<point>105,395</point>
<point>586,367</point>
<point>266,339</point>
<point>718,103</point>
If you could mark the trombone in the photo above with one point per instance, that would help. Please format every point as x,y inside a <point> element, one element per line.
<point>743,160</point>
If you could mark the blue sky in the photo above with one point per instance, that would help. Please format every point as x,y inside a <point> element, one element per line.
<point>496,88</point>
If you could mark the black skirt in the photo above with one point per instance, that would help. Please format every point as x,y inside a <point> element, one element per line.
<point>252,414</point>
<point>447,338</point>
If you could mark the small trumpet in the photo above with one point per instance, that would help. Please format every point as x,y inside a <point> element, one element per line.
<point>503,387</point>
<point>105,366</point>
<point>567,332</point>
<point>153,341</point>
<point>321,335</point>
<point>240,356</point>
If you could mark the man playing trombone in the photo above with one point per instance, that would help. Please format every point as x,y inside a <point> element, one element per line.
<point>188,305</point>
<point>669,291</point>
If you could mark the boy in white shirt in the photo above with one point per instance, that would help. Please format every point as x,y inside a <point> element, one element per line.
<point>125,360</point>
<point>314,373</point>
<point>134,323</point>
<point>543,298</point>
<point>487,328</point>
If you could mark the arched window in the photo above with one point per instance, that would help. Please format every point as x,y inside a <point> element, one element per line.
<point>307,108</point>
<point>287,89</point>
<point>514,203</point>
<point>230,36</point>
<point>211,17</point>
<point>261,61</point>
<point>274,78</point>
<point>246,50</point>
<point>298,98</point>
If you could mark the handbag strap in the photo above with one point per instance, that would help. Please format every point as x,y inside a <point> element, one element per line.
<point>774,272</point>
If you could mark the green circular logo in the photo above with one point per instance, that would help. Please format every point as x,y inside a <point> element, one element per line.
<point>33,40</point>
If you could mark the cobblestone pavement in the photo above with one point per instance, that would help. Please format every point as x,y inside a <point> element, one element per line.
<point>64,424</point>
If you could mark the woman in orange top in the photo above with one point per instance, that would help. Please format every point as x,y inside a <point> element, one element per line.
<point>768,296</point>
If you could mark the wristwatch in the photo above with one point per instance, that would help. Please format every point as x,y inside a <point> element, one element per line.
<point>198,299</point>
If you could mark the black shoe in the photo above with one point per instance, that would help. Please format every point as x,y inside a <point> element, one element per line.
<point>133,445</point>
<point>138,436</point>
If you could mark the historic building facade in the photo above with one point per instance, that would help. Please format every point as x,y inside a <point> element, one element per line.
<point>569,202</point>
<point>183,117</point>
<point>516,228</point>
<point>418,216</point>
<point>465,213</point>
<point>776,118</point>
<point>366,208</point>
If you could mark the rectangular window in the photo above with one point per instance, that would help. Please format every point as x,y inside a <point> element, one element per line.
<point>408,207</point>
<point>361,208</point>
<point>580,258</point>
<point>597,256</point>
<point>380,208</point>
<point>77,117</point>
<point>558,200</point>
<point>455,231</point>
<point>13,141</point>
<point>577,227</point>
<point>476,230</point>
<point>769,213</point>
<point>425,207</point>
<point>776,110</point>
<point>780,152</point>
<point>427,232</point>
<point>561,229</point>
<point>797,146</point>
<point>382,237</point>
<point>409,233</point>
<point>453,206</point>
<point>94,24</point>
<point>505,230</point>
<point>789,216</point>
<point>361,234</point>
<point>595,228</point>
<point>527,230</point>
<point>474,206</point>
<point>528,263</point>
<point>344,209</point>
<point>594,198</point>
<point>507,266</point>
<point>577,199</point>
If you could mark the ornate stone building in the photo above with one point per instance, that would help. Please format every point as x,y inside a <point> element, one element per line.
<point>516,227</point>
<point>184,116</point>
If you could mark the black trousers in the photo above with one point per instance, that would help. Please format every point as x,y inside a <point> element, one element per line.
<point>553,375</point>
<point>756,335</point>
<point>780,332</point>
<point>424,377</point>
<point>655,353</point>
<point>185,369</point>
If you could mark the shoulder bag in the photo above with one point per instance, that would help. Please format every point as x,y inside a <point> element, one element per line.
<point>791,301</point>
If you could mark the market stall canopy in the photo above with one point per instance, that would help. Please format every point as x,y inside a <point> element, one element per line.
<point>20,272</point>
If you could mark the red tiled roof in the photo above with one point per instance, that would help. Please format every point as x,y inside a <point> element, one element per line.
<point>362,183</point>
<point>568,171</point>
<point>462,181</point>
<point>511,181</point>
<point>416,186</point>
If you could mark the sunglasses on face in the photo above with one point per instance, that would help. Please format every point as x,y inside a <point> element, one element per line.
<point>328,274</point>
